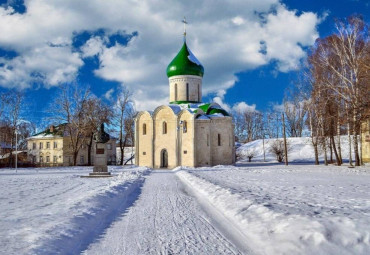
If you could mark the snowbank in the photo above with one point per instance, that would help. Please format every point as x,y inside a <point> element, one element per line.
<point>300,150</point>
<point>275,218</point>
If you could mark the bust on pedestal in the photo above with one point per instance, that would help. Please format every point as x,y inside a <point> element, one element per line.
<point>100,158</point>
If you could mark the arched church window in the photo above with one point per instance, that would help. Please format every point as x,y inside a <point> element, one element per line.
<point>187,91</point>
<point>164,127</point>
<point>175,91</point>
<point>144,129</point>
<point>219,139</point>
<point>185,127</point>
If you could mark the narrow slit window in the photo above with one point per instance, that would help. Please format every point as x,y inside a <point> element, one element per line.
<point>185,127</point>
<point>187,91</point>
<point>219,139</point>
<point>207,140</point>
<point>199,95</point>
<point>164,126</point>
<point>144,129</point>
<point>175,91</point>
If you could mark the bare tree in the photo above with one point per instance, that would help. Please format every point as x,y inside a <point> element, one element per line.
<point>342,61</point>
<point>69,108</point>
<point>277,148</point>
<point>250,153</point>
<point>11,108</point>
<point>122,111</point>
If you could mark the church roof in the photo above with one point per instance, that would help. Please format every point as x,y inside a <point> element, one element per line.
<point>185,63</point>
<point>210,109</point>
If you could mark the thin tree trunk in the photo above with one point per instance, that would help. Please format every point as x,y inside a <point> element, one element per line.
<point>349,137</point>
<point>361,163</point>
<point>325,151</point>
<point>313,140</point>
<point>89,148</point>
<point>285,145</point>
<point>355,138</point>
<point>331,150</point>
<point>339,145</point>
<point>335,150</point>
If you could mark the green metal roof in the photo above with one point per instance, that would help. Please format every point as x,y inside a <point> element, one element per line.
<point>208,109</point>
<point>185,63</point>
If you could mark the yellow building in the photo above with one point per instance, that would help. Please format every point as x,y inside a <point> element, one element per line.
<point>186,132</point>
<point>365,140</point>
<point>52,148</point>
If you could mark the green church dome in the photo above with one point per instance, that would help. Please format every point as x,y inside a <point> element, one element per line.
<point>185,63</point>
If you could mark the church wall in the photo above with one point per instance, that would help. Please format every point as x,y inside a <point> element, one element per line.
<point>186,140</point>
<point>165,141</point>
<point>195,88</point>
<point>223,153</point>
<point>144,150</point>
<point>202,142</point>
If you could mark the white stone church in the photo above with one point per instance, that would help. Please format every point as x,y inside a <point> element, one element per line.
<point>185,132</point>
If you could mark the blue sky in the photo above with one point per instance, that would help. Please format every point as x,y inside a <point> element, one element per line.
<point>250,49</point>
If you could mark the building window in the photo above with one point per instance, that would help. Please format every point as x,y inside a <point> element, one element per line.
<point>185,127</point>
<point>144,129</point>
<point>41,145</point>
<point>207,140</point>
<point>175,91</point>
<point>47,159</point>
<point>34,159</point>
<point>219,139</point>
<point>187,91</point>
<point>185,152</point>
<point>164,127</point>
<point>144,153</point>
<point>109,146</point>
<point>55,145</point>
<point>69,160</point>
<point>41,159</point>
<point>55,159</point>
<point>82,160</point>
<point>47,145</point>
<point>34,146</point>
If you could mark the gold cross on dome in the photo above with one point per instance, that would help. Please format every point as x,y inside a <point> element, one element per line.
<point>185,22</point>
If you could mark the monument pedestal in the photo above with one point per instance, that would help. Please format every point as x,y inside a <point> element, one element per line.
<point>100,162</point>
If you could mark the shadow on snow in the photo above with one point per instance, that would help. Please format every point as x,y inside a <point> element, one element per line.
<point>89,227</point>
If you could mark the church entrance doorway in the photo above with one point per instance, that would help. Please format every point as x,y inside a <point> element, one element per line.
<point>164,158</point>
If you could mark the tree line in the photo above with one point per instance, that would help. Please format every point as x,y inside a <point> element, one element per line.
<point>329,99</point>
<point>81,114</point>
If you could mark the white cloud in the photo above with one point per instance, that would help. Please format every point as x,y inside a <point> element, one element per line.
<point>243,107</point>
<point>226,37</point>
<point>108,94</point>
<point>94,46</point>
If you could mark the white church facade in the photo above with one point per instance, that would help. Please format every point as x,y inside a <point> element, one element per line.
<point>186,132</point>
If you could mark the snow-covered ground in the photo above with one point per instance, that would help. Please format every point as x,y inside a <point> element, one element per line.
<point>249,208</point>
<point>51,210</point>
<point>299,209</point>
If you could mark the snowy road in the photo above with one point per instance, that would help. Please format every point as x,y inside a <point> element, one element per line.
<point>164,220</point>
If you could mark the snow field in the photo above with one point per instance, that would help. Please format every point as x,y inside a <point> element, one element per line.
<point>53,210</point>
<point>294,210</point>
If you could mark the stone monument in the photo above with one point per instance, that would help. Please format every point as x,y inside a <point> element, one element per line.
<point>100,158</point>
